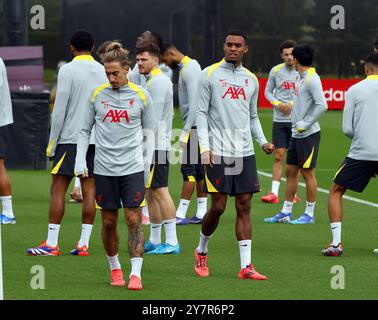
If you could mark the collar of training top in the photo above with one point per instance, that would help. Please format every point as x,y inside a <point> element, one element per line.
<point>308,73</point>
<point>184,62</point>
<point>86,57</point>
<point>230,65</point>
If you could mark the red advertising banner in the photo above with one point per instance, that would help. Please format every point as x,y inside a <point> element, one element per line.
<point>334,91</point>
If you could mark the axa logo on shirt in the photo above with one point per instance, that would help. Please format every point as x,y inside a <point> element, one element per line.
<point>235,93</point>
<point>287,85</point>
<point>116,116</point>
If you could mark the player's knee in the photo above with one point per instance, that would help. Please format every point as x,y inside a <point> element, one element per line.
<point>217,210</point>
<point>109,224</point>
<point>308,174</point>
<point>279,155</point>
<point>132,220</point>
<point>243,206</point>
<point>336,189</point>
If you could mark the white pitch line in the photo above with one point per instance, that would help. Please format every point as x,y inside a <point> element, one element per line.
<point>368,203</point>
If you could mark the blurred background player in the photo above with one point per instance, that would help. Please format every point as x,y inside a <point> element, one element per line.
<point>76,194</point>
<point>161,206</point>
<point>309,104</point>
<point>192,170</point>
<point>360,118</point>
<point>227,101</point>
<point>146,38</point>
<point>119,111</point>
<point>76,80</point>
<point>279,92</point>
<point>6,118</point>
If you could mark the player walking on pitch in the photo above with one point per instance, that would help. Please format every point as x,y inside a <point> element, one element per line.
<point>360,118</point>
<point>309,105</point>
<point>161,206</point>
<point>119,110</point>
<point>192,170</point>
<point>279,92</point>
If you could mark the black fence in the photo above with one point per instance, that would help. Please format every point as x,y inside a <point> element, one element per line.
<point>27,138</point>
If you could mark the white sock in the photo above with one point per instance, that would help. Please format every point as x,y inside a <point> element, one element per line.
<point>170,232</point>
<point>145,211</point>
<point>245,253</point>
<point>136,267</point>
<point>336,233</point>
<point>287,207</point>
<point>114,262</point>
<point>201,207</point>
<point>310,206</point>
<point>202,246</point>
<point>53,234</point>
<point>86,230</point>
<point>182,208</point>
<point>155,233</point>
<point>6,202</point>
<point>275,187</point>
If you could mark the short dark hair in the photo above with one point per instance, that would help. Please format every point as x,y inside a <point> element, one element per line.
<point>287,44</point>
<point>166,47</point>
<point>372,59</point>
<point>82,41</point>
<point>304,54</point>
<point>236,32</point>
<point>376,42</point>
<point>151,48</point>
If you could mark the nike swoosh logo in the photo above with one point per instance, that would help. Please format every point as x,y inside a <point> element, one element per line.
<point>334,228</point>
<point>244,245</point>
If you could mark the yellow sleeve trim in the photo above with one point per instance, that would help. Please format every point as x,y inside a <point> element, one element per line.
<point>251,74</point>
<point>98,90</point>
<point>139,92</point>
<point>185,62</point>
<point>275,103</point>
<point>48,151</point>
<point>372,77</point>
<point>311,72</point>
<point>277,68</point>
<point>214,67</point>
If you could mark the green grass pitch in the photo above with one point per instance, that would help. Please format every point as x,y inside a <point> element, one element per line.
<point>289,255</point>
